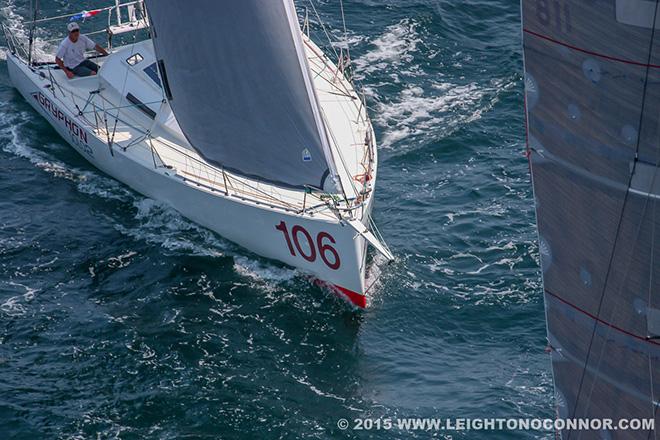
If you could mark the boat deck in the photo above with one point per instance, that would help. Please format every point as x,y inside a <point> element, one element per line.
<point>126,127</point>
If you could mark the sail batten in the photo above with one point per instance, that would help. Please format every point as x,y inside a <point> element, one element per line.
<point>251,106</point>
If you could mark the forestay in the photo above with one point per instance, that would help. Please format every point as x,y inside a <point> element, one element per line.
<point>593,100</point>
<point>240,87</point>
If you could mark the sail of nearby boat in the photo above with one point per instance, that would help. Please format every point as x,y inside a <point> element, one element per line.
<point>593,108</point>
<point>250,106</point>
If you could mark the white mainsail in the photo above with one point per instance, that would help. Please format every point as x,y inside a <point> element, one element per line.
<point>251,106</point>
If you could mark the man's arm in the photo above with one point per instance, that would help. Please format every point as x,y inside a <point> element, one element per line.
<point>59,62</point>
<point>100,49</point>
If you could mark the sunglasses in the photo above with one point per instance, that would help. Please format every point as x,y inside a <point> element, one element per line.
<point>74,31</point>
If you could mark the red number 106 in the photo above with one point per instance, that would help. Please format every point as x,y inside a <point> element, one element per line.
<point>299,233</point>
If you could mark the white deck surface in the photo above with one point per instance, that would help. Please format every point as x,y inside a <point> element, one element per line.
<point>342,109</point>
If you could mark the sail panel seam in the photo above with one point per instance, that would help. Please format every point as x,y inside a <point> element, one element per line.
<point>600,320</point>
<point>589,52</point>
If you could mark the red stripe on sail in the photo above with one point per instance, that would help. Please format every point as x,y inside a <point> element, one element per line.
<point>579,49</point>
<point>595,318</point>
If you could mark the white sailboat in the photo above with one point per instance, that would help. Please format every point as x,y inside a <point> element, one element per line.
<point>233,116</point>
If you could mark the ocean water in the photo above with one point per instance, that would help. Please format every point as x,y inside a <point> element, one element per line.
<point>121,319</point>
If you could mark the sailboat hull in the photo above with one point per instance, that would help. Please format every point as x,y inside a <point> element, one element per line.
<point>330,251</point>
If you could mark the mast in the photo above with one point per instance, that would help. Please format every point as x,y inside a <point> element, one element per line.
<point>34,9</point>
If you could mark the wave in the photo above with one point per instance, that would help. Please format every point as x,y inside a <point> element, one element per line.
<point>157,223</point>
<point>259,270</point>
<point>17,305</point>
<point>392,49</point>
<point>420,113</point>
<point>424,108</point>
<point>87,182</point>
<point>15,23</point>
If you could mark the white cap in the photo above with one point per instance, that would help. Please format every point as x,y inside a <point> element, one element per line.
<point>73,26</point>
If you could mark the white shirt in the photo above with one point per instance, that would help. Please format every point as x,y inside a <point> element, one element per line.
<point>72,53</point>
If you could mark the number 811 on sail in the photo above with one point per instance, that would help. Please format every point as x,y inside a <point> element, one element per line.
<point>300,242</point>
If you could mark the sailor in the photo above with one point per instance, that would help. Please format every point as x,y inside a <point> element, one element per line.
<point>71,53</point>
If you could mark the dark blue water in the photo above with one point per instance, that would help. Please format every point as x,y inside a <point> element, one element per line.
<point>121,319</point>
